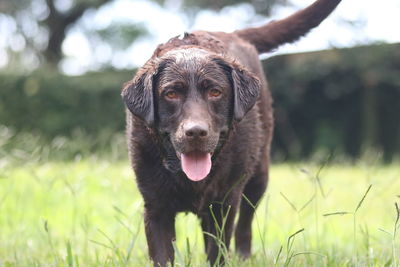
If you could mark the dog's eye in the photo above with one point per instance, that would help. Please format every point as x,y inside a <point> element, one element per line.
<point>214,93</point>
<point>171,94</point>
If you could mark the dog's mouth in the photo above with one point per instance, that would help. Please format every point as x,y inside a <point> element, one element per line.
<point>196,164</point>
<point>195,156</point>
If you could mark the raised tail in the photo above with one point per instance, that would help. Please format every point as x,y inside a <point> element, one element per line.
<point>276,33</point>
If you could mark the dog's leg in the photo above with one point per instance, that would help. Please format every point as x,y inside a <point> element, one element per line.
<point>217,225</point>
<point>160,232</point>
<point>253,191</point>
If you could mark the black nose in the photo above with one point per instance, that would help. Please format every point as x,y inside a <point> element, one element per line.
<point>196,130</point>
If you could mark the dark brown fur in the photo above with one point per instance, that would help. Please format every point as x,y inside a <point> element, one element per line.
<point>236,127</point>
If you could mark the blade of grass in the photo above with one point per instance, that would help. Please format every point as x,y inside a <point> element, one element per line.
<point>50,240</point>
<point>337,213</point>
<point>258,224</point>
<point>132,244</point>
<point>101,244</point>
<point>290,239</point>
<point>307,203</point>
<point>278,256</point>
<point>289,202</point>
<point>363,198</point>
<point>70,257</point>
<point>384,231</point>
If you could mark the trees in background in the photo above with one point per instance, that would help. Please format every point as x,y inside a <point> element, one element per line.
<point>344,101</point>
<point>38,28</point>
<point>341,101</point>
<point>43,24</point>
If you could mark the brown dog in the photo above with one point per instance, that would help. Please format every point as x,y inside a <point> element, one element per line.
<point>199,127</point>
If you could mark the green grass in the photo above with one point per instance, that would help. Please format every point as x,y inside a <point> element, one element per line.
<point>88,212</point>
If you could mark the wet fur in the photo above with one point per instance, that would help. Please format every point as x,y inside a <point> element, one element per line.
<point>241,126</point>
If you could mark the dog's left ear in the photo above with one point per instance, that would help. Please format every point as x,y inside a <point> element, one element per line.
<point>246,89</point>
<point>138,95</point>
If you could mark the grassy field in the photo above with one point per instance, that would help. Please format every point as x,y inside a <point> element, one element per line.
<point>88,212</point>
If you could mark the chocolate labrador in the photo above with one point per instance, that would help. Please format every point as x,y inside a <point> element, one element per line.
<point>199,128</point>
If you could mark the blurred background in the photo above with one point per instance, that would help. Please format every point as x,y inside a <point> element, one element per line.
<point>63,63</point>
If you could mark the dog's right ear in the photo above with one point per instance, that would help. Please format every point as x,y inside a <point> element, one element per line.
<point>138,95</point>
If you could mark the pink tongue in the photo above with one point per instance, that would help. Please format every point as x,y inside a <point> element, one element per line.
<point>196,165</point>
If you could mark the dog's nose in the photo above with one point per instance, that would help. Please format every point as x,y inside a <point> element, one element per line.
<point>196,130</point>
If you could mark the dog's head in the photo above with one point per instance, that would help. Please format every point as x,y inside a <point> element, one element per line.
<point>191,97</point>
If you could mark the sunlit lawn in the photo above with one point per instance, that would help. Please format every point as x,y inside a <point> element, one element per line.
<point>89,213</point>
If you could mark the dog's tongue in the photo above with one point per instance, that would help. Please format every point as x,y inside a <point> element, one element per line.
<point>196,165</point>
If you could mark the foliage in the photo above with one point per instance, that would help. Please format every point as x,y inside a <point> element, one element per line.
<point>17,147</point>
<point>121,35</point>
<point>340,101</point>
<point>37,29</point>
<point>89,213</point>
<point>53,104</point>
<point>42,24</point>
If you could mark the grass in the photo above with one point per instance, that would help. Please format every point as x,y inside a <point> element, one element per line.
<point>74,202</point>
<point>88,212</point>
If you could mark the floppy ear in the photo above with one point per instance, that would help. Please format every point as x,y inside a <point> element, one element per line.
<point>138,96</point>
<point>246,89</point>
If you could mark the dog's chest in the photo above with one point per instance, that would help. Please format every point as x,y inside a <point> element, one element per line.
<point>197,197</point>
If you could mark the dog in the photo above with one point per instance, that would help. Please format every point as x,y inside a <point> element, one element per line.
<point>199,127</point>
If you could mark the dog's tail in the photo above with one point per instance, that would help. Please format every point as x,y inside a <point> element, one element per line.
<point>276,33</point>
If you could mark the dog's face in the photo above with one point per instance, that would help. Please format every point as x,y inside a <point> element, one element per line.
<point>191,97</point>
